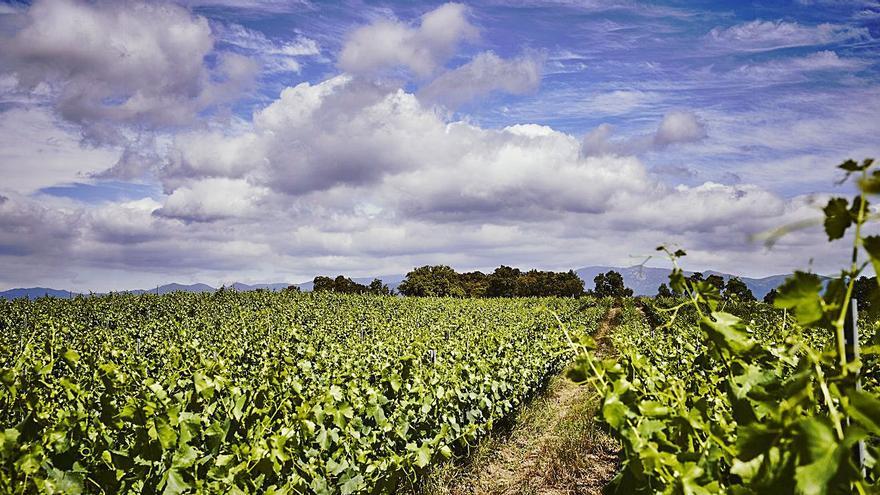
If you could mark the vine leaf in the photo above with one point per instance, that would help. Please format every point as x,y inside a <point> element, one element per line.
<point>865,408</point>
<point>801,293</point>
<point>728,332</point>
<point>837,218</point>
<point>872,246</point>
<point>819,447</point>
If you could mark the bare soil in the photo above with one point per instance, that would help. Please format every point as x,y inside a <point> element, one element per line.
<point>555,446</point>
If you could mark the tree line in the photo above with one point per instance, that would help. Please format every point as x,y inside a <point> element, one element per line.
<point>504,281</point>
<point>345,285</point>
<point>732,288</point>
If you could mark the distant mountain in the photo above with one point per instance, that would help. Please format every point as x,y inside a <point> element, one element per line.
<point>34,293</point>
<point>273,287</point>
<point>167,288</point>
<point>644,280</point>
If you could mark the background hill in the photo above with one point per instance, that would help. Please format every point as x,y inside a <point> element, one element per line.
<point>642,280</point>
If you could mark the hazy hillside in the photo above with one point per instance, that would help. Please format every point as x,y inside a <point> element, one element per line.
<point>644,280</point>
<point>641,279</point>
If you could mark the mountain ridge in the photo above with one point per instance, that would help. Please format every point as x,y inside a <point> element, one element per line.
<point>643,280</point>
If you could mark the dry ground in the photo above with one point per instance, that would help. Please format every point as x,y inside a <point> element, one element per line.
<point>554,447</point>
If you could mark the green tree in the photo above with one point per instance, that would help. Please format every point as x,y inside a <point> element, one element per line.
<point>611,284</point>
<point>340,284</point>
<point>568,284</point>
<point>770,296</point>
<point>432,281</point>
<point>738,288</point>
<point>502,282</point>
<point>717,281</point>
<point>474,283</point>
<point>377,287</point>
<point>663,291</point>
<point>865,292</point>
<point>322,284</point>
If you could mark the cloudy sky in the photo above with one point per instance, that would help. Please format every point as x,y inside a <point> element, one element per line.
<point>270,140</point>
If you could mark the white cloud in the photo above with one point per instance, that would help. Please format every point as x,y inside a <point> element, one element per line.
<point>129,63</point>
<point>212,199</point>
<point>621,101</point>
<point>36,151</point>
<point>483,75</point>
<point>260,7</point>
<point>275,55</point>
<point>387,44</point>
<point>676,127</point>
<point>353,176</point>
<point>787,69</point>
<point>679,127</point>
<point>770,35</point>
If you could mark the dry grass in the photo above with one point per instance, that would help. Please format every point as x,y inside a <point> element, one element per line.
<point>553,447</point>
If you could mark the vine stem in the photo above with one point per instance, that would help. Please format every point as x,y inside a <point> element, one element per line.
<point>854,270</point>
<point>826,393</point>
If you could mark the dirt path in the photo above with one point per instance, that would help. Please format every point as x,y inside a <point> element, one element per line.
<point>555,448</point>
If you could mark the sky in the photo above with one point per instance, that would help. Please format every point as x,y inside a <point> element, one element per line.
<point>271,141</point>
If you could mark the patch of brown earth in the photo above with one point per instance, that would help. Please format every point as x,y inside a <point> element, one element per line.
<point>554,448</point>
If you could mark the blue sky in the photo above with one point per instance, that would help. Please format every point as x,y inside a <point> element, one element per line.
<point>264,141</point>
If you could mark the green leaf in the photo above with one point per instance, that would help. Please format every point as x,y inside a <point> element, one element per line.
<point>801,292</point>
<point>871,183</point>
<point>819,454</point>
<point>423,455</point>
<point>174,483</point>
<point>727,331</point>
<point>837,218</point>
<point>185,457</point>
<point>352,485</point>
<point>166,434</point>
<point>864,407</point>
<point>203,387</point>
<point>754,440</point>
<point>614,412</point>
<point>71,356</point>
<point>652,408</point>
<point>853,166</point>
<point>812,479</point>
<point>872,246</point>
<point>446,452</point>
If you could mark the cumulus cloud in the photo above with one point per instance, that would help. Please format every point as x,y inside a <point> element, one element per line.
<point>351,174</point>
<point>349,133</point>
<point>770,35</point>
<point>679,127</point>
<point>676,127</point>
<point>485,74</point>
<point>387,43</point>
<point>128,63</point>
<point>306,155</point>
<point>212,199</point>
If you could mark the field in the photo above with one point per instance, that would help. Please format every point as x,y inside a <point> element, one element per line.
<point>283,392</point>
<point>740,400</point>
<point>263,392</point>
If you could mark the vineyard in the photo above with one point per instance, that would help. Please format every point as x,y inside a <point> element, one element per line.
<point>709,395</point>
<point>263,392</point>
